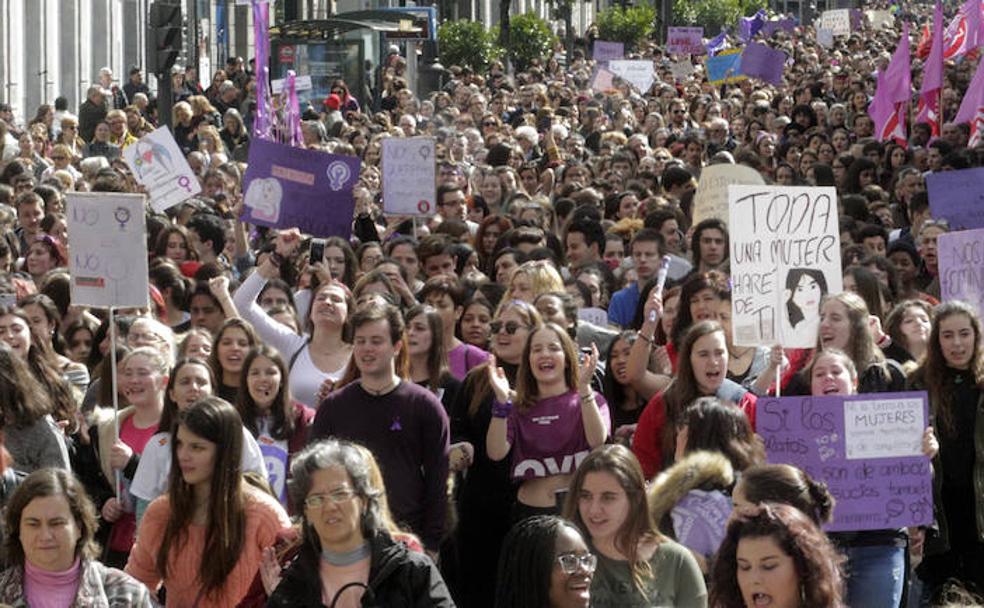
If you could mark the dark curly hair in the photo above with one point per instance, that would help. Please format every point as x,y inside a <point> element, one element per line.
<point>817,563</point>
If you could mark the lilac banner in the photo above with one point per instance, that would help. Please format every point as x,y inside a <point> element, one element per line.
<point>263,121</point>
<point>866,448</point>
<point>290,187</point>
<point>760,61</point>
<point>961,256</point>
<point>957,197</point>
<point>292,111</point>
<point>603,51</point>
<point>787,25</point>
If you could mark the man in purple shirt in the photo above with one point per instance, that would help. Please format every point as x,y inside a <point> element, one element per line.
<point>404,425</point>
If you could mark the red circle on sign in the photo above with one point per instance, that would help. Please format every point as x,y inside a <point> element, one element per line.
<point>423,206</point>
<point>286,54</point>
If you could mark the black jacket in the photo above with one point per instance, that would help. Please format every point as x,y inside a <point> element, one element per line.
<point>397,577</point>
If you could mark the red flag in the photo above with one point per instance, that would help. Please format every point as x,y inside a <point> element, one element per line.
<point>922,49</point>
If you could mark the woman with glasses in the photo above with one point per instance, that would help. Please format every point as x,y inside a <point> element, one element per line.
<point>545,564</point>
<point>486,495</point>
<point>637,565</point>
<point>349,557</point>
<point>204,540</point>
<point>61,160</point>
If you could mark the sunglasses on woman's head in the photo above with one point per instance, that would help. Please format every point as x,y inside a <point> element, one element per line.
<point>511,327</point>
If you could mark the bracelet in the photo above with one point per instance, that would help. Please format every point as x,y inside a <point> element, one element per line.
<point>500,409</point>
<point>651,341</point>
<point>589,397</point>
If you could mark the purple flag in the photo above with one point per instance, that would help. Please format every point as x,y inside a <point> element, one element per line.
<point>292,111</point>
<point>893,94</point>
<point>932,82</point>
<point>263,121</point>
<point>749,26</point>
<point>716,44</point>
<point>760,61</point>
<point>972,107</point>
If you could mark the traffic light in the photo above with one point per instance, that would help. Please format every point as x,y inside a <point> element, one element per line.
<point>163,37</point>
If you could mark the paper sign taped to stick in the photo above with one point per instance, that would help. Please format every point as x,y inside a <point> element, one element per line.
<point>108,259</point>
<point>961,260</point>
<point>287,187</point>
<point>866,448</point>
<point>159,166</point>
<point>685,40</point>
<point>785,255</point>
<point>593,314</point>
<point>711,198</point>
<point>682,69</point>
<point>639,73</point>
<point>724,68</point>
<point>604,51</point>
<point>408,176</point>
<point>957,197</point>
<point>837,21</point>
<point>301,83</point>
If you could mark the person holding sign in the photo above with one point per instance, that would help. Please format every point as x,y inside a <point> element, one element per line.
<point>875,558</point>
<point>952,372</point>
<point>701,372</point>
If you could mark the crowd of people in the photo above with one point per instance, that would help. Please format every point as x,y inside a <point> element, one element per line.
<point>501,405</point>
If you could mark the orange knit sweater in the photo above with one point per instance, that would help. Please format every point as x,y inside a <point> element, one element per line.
<point>265,519</point>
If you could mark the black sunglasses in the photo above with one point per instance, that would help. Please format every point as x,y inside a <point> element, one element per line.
<point>511,327</point>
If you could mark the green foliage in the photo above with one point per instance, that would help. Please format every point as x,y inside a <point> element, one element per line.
<point>530,38</point>
<point>467,43</point>
<point>630,25</point>
<point>713,14</point>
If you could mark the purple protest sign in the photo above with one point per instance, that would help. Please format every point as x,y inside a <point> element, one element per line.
<point>961,259</point>
<point>957,197</point>
<point>603,51</point>
<point>685,40</point>
<point>787,24</point>
<point>289,187</point>
<point>760,61</point>
<point>866,448</point>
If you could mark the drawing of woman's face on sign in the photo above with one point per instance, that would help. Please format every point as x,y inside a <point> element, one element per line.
<point>804,288</point>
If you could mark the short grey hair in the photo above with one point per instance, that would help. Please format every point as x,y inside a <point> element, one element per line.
<point>334,453</point>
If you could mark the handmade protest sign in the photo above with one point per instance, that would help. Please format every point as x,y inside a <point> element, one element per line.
<point>108,259</point>
<point>961,264</point>
<point>682,69</point>
<point>711,198</point>
<point>785,255</point>
<point>301,83</point>
<point>290,187</point>
<point>602,80</point>
<point>866,448</point>
<point>957,197</point>
<point>685,40</point>
<point>593,314</point>
<point>760,61</point>
<point>837,21</point>
<point>604,51</point>
<point>724,68</point>
<point>787,24</point>
<point>159,166</point>
<point>408,176</point>
<point>880,18</point>
<point>825,37</point>
<point>639,73</point>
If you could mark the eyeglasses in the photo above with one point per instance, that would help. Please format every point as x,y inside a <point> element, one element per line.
<point>570,563</point>
<point>459,202</point>
<point>489,123</point>
<point>72,127</point>
<point>59,158</point>
<point>316,501</point>
<point>511,327</point>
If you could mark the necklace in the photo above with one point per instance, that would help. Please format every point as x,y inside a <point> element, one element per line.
<point>376,392</point>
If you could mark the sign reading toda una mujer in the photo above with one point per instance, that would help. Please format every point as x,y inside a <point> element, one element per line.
<point>866,448</point>
<point>785,256</point>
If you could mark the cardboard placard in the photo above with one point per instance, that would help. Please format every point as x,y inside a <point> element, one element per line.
<point>409,178</point>
<point>159,166</point>
<point>961,265</point>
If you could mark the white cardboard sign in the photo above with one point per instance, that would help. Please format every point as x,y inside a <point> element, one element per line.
<point>159,166</point>
<point>409,180</point>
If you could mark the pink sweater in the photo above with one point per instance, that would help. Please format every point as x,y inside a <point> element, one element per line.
<point>265,519</point>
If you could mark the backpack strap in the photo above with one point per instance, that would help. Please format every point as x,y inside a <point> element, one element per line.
<point>297,353</point>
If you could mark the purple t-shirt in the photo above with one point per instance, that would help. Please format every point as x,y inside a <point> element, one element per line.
<point>549,439</point>
<point>465,357</point>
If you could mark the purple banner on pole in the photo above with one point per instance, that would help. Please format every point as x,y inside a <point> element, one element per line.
<point>263,120</point>
<point>760,61</point>
<point>961,259</point>
<point>685,40</point>
<point>957,197</point>
<point>866,448</point>
<point>289,187</point>
<point>604,51</point>
<point>787,24</point>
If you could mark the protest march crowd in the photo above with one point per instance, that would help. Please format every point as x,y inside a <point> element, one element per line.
<point>585,374</point>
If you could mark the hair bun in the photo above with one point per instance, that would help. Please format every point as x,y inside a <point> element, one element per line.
<point>823,501</point>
